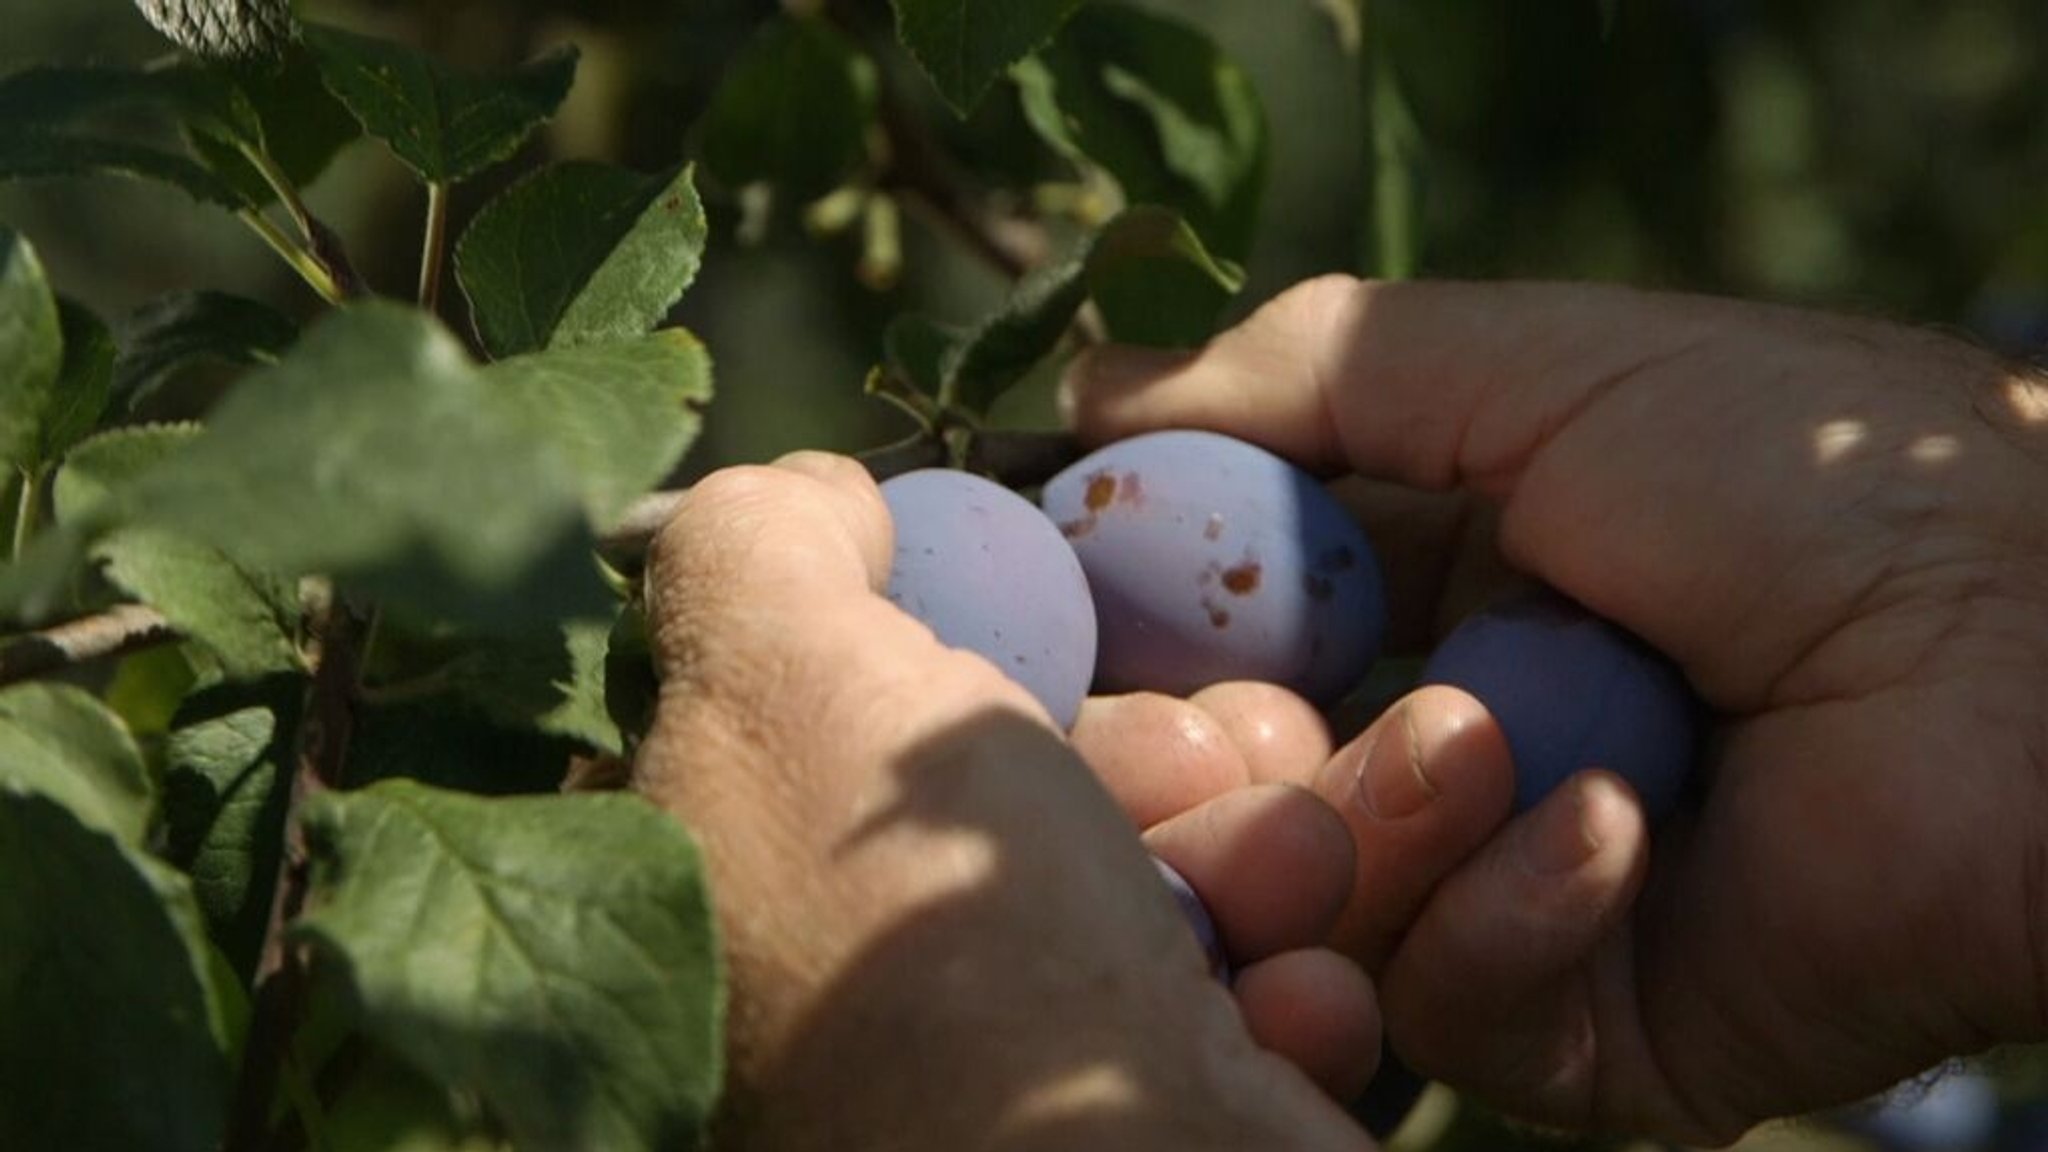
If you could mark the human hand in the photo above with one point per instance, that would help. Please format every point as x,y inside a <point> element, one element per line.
<point>940,929</point>
<point>1839,529</point>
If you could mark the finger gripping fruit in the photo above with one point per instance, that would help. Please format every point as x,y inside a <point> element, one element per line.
<point>1573,691</point>
<point>1211,559</point>
<point>986,571</point>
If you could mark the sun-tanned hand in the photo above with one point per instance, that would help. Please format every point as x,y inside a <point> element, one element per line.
<point>1840,529</point>
<point>941,929</point>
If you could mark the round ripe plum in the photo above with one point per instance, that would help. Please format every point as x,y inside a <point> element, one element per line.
<point>1956,1112</point>
<point>1211,559</point>
<point>1573,691</point>
<point>986,571</point>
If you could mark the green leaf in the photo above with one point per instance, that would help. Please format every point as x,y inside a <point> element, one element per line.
<point>230,29</point>
<point>76,121</point>
<point>443,124</point>
<point>31,351</point>
<point>82,384</point>
<point>29,154</point>
<point>42,584</point>
<point>555,956</point>
<point>554,685</point>
<point>448,743</point>
<point>1148,272</point>
<point>622,413</point>
<point>247,620</point>
<point>57,740</point>
<point>378,453</point>
<point>631,689</point>
<point>292,118</point>
<point>579,253</point>
<point>173,334</point>
<point>227,780</point>
<point>997,352</point>
<point>97,480</point>
<point>963,45</point>
<point>1155,283</point>
<point>915,348</point>
<point>1158,106</point>
<point>387,1107</point>
<point>117,1028</point>
<point>795,108</point>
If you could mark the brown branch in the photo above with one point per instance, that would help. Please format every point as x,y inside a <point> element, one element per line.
<point>281,974</point>
<point>117,631</point>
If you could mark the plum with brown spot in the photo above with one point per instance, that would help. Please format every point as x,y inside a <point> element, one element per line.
<point>1210,559</point>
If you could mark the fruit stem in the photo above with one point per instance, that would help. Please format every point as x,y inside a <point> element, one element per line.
<point>26,512</point>
<point>431,246</point>
<point>310,269</point>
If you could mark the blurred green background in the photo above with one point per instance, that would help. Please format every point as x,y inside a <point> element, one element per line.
<point>1877,156</point>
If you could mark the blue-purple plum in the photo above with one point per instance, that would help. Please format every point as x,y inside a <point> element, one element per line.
<point>1198,918</point>
<point>986,571</point>
<point>1959,1112</point>
<point>1573,691</point>
<point>1211,559</point>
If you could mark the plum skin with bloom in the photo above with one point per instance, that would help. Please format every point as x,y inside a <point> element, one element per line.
<point>986,571</point>
<point>1571,690</point>
<point>1212,559</point>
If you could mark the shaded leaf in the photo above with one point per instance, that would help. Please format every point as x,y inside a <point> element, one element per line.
<point>449,743</point>
<point>915,348</point>
<point>1152,278</point>
<point>31,351</point>
<point>443,124</point>
<point>294,120</point>
<point>232,29</point>
<point>622,413</point>
<point>117,1024</point>
<point>58,741</point>
<point>82,384</point>
<point>554,685</point>
<point>388,1107</point>
<point>630,687</point>
<point>43,583</point>
<point>1158,106</point>
<point>26,154</point>
<point>555,956</point>
<point>578,253</point>
<point>174,333</point>
<point>1155,283</point>
<point>999,350</point>
<point>795,108</point>
<point>227,781</point>
<point>377,452</point>
<point>963,45</point>
<point>75,121</point>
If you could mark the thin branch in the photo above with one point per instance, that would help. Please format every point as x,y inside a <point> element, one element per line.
<point>920,171</point>
<point>118,631</point>
<point>281,972</point>
<point>287,192</point>
<point>432,246</point>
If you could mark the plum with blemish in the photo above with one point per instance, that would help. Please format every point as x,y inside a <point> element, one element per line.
<point>1211,559</point>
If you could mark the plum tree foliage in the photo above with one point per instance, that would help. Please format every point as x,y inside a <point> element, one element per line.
<point>315,630</point>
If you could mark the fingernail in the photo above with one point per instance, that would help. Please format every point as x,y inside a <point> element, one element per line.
<point>1392,779</point>
<point>1556,839</point>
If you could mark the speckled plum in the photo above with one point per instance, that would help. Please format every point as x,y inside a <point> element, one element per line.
<point>1211,559</point>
